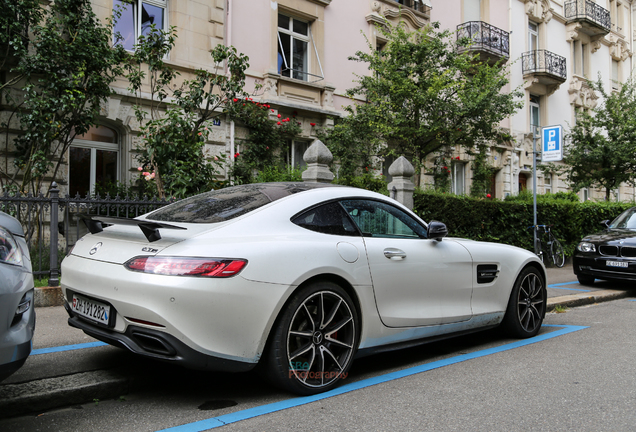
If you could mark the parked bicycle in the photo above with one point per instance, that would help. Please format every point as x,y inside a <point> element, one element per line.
<point>548,247</point>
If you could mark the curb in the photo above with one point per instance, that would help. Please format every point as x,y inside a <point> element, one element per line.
<point>585,298</point>
<point>48,296</point>
<point>48,393</point>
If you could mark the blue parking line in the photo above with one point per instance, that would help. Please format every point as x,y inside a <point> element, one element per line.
<point>561,285</point>
<point>67,348</point>
<point>215,422</point>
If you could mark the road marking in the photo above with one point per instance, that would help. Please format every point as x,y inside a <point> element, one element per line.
<point>223,420</point>
<point>67,348</point>
<point>561,285</point>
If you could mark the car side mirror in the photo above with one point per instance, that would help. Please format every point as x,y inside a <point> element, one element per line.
<point>605,223</point>
<point>436,230</point>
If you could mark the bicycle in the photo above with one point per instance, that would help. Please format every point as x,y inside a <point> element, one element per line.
<point>553,249</point>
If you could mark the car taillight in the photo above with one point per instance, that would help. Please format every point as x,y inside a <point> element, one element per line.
<point>180,266</point>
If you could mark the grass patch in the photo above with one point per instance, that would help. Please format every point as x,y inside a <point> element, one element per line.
<point>559,309</point>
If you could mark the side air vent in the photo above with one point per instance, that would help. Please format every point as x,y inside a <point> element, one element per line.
<point>486,273</point>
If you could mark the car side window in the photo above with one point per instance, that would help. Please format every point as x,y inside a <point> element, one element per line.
<point>379,219</point>
<point>328,218</point>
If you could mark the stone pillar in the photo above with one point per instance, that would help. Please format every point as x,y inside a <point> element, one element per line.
<point>401,188</point>
<point>318,158</point>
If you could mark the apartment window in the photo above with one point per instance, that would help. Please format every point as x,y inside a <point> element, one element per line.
<point>136,18</point>
<point>547,183</point>
<point>615,75</point>
<point>295,153</point>
<point>616,15</point>
<point>533,36</point>
<point>585,194</point>
<point>93,159</point>
<point>535,112</point>
<point>472,10</point>
<point>294,37</point>
<point>579,57</point>
<point>458,178</point>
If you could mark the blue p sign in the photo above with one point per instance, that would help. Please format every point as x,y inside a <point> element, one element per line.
<point>552,143</point>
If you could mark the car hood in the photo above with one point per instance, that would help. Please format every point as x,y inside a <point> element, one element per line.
<point>607,236</point>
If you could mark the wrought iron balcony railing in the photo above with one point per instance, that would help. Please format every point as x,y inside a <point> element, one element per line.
<point>417,5</point>
<point>588,10</point>
<point>485,37</point>
<point>544,62</point>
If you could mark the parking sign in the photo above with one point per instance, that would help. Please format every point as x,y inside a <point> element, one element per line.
<point>552,143</point>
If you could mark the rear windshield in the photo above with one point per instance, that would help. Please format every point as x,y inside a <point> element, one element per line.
<point>225,204</point>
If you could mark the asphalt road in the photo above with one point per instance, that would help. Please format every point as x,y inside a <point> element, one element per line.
<point>578,375</point>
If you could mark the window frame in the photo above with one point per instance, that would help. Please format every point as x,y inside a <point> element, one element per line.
<point>456,168</point>
<point>137,5</point>
<point>94,146</point>
<point>308,39</point>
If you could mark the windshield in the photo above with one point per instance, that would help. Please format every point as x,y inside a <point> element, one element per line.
<point>626,220</point>
<point>225,204</point>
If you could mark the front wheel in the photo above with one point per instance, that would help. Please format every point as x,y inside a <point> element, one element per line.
<point>527,304</point>
<point>314,341</point>
<point>558,255</point>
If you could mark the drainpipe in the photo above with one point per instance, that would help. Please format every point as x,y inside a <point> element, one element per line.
<point>228,40</point>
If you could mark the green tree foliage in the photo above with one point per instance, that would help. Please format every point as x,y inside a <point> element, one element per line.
<point>173,133</point>
<point>602,144</point>
<point>425,92</point>
<point>263,155</point>
<point>60,66</point>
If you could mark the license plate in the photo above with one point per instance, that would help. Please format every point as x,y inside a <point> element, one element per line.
<point>91,309</point>
<point>621,264</point>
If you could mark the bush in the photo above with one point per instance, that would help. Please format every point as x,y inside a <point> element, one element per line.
<point>509,221</point>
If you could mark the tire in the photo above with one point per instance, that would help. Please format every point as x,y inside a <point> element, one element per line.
<point>527,304</point>
<point>314,340</point>
<point>558,255</point>
<point>585,279</point>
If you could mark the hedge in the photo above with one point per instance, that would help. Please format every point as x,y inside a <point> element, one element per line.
<point>509,221</point>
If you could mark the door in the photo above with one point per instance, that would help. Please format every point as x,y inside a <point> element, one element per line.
<point>417,281</point>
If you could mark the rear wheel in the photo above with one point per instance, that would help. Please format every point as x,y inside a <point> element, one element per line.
<point>558,255</point>
<point>314,341</point>
<point>527,304</point>
<point>585,279</point>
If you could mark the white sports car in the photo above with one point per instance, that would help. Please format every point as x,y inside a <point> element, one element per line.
<point>300,278</point>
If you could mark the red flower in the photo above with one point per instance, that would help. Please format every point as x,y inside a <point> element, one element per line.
<point>446,168</point>
<point>313,124</point>
<point>235,100</point>
<point>272,110</point>
<point>237,154</point>
<point>488,196</point>
<point>279,116</point>
<point>278,123</point>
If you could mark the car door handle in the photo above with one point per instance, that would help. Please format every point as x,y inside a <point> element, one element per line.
<point>394,254</point>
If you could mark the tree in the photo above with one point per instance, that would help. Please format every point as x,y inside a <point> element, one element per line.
<point>602,144</point>
<point>425,93</point>
<point>59,77</point>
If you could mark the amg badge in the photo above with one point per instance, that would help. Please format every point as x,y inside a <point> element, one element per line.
<point>151,250</point>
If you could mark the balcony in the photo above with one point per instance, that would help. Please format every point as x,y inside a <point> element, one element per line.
<point>490,42</point>
<point>545,67</point>
<point>594,19</point>
<point>417,5</point>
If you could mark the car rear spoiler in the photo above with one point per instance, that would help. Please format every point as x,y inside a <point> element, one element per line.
<point>95,224</point>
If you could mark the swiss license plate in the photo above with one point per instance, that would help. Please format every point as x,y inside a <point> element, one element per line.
<point>621,264</point>
<point>91,309</point>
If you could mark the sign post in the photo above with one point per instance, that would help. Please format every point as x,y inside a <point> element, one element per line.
<point>552,151</point>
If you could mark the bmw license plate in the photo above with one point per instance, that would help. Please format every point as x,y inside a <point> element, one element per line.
<point>621,264</point>
<point>91,309</point>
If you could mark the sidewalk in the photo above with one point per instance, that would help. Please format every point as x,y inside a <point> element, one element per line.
<point>564,290</point>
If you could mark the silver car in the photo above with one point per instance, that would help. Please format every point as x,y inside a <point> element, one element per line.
<point>17,314</point>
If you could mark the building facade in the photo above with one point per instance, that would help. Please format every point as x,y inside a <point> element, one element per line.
<point>298,64</point>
